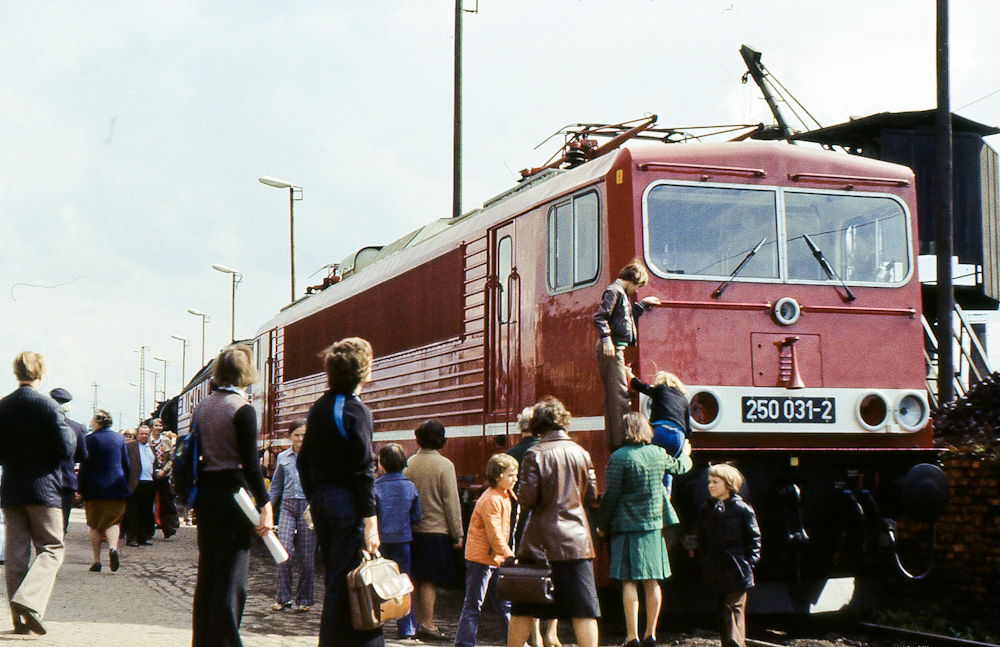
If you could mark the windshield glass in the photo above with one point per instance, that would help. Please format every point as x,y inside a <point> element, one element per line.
<point>863,238</point>
<point>706,231</point>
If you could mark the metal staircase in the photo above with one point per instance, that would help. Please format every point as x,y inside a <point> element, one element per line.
<point>971,362</point>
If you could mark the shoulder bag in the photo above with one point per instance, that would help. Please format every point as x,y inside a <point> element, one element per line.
<point>525,582</point>
<point>378,592</point>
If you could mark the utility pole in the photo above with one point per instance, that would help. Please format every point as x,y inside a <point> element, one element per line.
<point>943,247</point>
<point>456,159</point>
<point>94,412</point>
<point>456,156</point>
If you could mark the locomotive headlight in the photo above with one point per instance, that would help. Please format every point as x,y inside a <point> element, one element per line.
<point>787,311</point>
<point>911,412</point>
<point>705,409</point>
<point>872,411</point>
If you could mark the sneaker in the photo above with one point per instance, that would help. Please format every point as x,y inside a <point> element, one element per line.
<point>115,562</point>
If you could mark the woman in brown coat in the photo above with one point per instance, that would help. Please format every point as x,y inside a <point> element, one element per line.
<point>557,485</point>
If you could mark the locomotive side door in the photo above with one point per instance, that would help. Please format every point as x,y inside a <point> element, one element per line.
<point>503,298</point>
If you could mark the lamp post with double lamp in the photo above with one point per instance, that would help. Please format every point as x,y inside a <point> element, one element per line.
<point>294,193</point>
<point>204,320</point>
<point>237,277</point>
<point>184,346</point>
<point>156,378</point>
<point>164,391</point>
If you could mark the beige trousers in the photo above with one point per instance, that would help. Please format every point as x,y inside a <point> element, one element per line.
<point>732,618</point>
<point>617,403</point>
<point>41,526</point>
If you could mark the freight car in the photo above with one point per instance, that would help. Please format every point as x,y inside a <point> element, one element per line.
<point>790,307</point>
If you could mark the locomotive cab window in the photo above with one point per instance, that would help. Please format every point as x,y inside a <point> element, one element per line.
<point>706,231</point>
<point>769,234</point>
<point>573,248</point>
<point>863,237</point>
<point>505,267</point>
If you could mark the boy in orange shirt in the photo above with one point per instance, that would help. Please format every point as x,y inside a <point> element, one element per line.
<point>486,548</point>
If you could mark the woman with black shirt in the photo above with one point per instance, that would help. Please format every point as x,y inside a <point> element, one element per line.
<point>227,428</point>
<point>669,414</point>
<point>336,468</point>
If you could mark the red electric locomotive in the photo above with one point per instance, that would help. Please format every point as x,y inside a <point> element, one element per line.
<point>790,307</point>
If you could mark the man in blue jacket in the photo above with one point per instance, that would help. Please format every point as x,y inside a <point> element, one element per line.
<point>34,440</point>
<point>68,467</point>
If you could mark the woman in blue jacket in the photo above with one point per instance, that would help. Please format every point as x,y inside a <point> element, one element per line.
<point>103,483</point>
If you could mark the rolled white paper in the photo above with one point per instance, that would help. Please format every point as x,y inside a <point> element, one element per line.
<point>271,540</point>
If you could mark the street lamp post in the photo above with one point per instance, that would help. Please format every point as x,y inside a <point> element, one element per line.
<point>237,277</point>
<point>204,320</point>
<point>184,346</point>
<point>142,380</point>
<point>292,197</point>
<point>164,391</point>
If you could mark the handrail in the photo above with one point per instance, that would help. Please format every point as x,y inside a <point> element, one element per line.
<point>973,362</point>
<point>701,168</point>
<point>832,177</point>
<point>966,326</point>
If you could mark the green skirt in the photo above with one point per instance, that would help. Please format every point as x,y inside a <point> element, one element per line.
<point>639,555</point>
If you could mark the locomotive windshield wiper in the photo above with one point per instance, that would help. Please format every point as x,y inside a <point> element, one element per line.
<point>732,275</point>
<point>821,259</point>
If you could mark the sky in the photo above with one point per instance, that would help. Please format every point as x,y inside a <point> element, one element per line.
<point>132,136</point>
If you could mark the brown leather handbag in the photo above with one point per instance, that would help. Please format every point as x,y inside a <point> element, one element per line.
<point>378,592</point>
<point>525,582</point>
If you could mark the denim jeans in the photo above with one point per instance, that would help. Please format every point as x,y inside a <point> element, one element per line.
<point>339,530</point>
<point>400,553</point>
<point>669,436</point>
<point>480,583</point>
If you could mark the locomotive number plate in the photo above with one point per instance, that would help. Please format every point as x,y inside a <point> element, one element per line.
<point>781,409</point>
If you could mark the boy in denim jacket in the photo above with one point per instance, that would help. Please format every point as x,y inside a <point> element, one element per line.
<point>398,508</point>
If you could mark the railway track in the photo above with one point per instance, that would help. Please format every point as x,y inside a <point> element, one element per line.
<point>915,638</point>
<point>867,633</point>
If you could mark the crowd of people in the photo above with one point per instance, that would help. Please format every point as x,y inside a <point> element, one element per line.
<point>51,463</point>
<point>330,491</point>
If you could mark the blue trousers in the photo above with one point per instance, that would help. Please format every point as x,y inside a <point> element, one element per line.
<point>340,533</point>
<point>400,553</point>
<point>480,584</point>
<point>669,436</point>
<point>224,537</point>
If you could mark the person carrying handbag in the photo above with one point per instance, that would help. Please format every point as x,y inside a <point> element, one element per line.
<point>557,485</point>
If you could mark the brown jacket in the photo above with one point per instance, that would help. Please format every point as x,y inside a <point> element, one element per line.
<point>557,484</point>
<point>134,465</point>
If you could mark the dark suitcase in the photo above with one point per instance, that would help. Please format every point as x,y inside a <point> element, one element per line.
<point>378,592</point>
<point>529,583</point>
